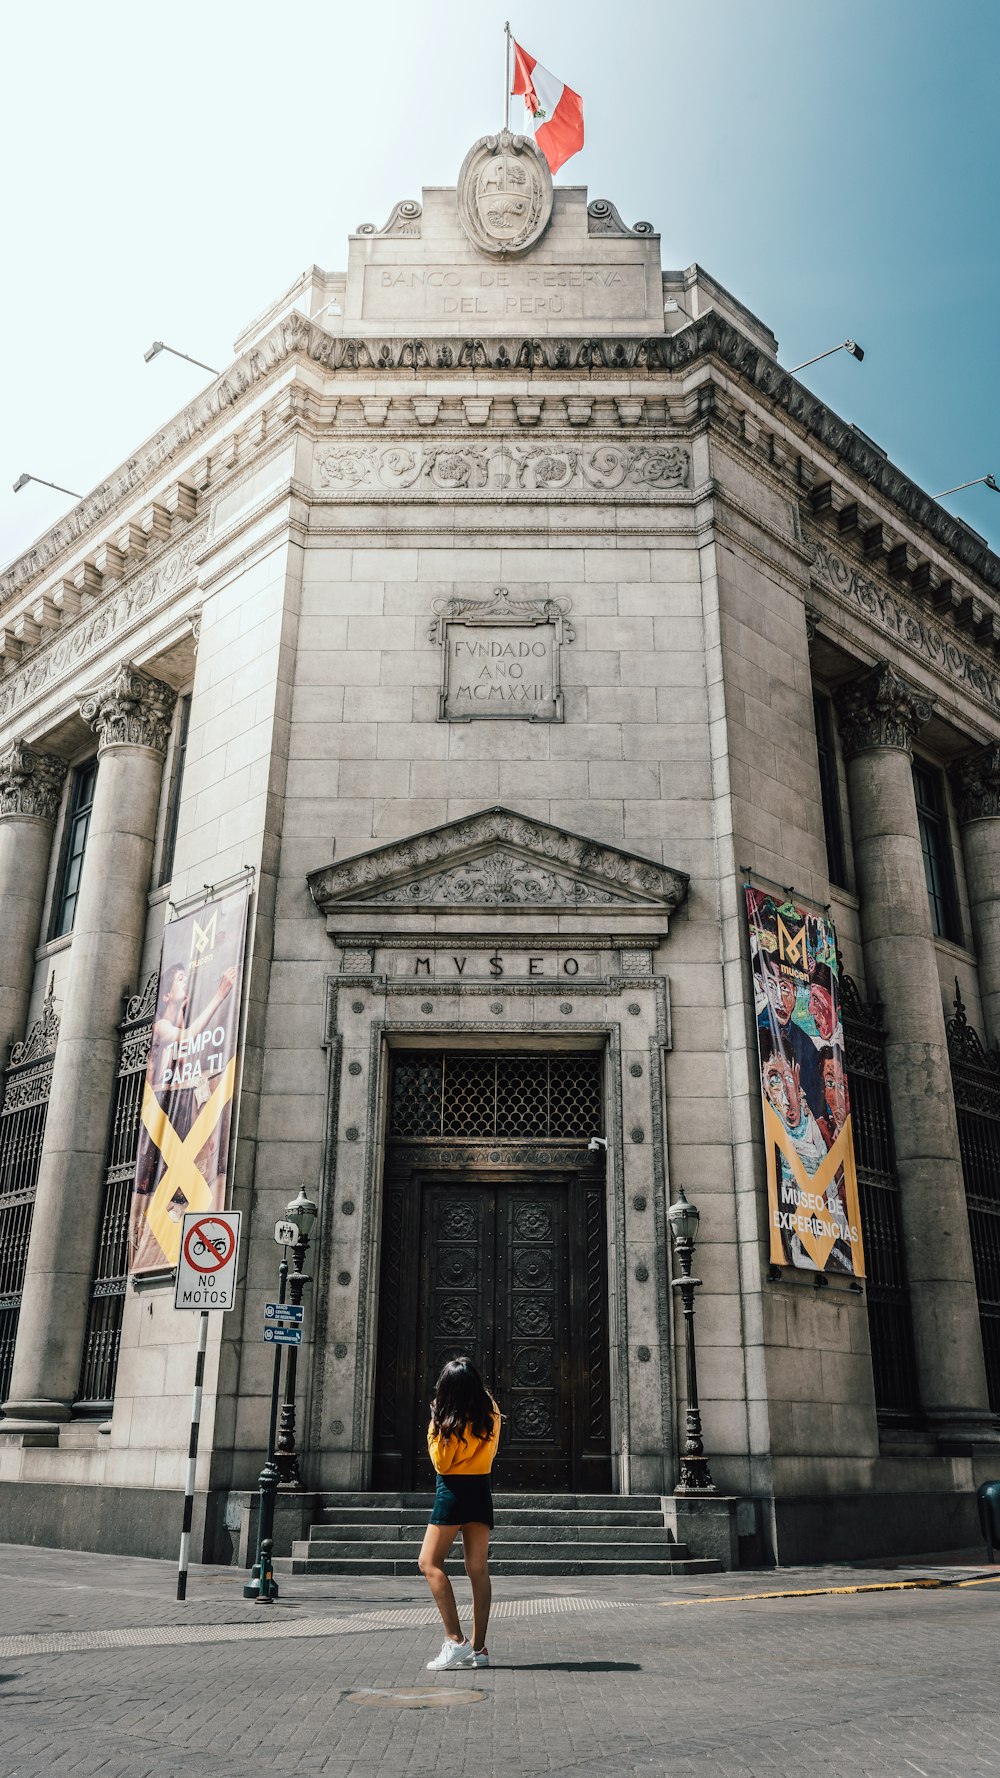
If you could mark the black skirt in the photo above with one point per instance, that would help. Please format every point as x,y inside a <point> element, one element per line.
<point>463,1500</point>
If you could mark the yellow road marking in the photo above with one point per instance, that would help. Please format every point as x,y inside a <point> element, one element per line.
<point>881,1586</point>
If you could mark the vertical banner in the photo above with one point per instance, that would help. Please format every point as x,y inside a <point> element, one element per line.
<point>812,1189</point>
<point>183,1153</point>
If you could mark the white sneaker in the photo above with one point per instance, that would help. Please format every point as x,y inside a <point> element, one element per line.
<point>481,1656</point>
<point>453,1654</point>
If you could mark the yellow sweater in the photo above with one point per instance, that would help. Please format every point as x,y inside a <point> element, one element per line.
<point>467,1456</point>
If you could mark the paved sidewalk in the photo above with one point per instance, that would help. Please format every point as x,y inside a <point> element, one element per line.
<point>104,1675</point>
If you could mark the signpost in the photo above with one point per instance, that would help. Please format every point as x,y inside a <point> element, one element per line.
<point>206,1280</point>
<point>283,1336</point>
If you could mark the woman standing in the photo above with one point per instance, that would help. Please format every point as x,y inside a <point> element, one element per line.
<point>462,1440</point>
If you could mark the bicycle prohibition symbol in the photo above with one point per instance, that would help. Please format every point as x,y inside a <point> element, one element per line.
<point>209,1244</point>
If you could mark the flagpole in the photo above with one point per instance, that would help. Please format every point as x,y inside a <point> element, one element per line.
<point>506,74</point>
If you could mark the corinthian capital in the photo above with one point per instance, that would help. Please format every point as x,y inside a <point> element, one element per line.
<point>880,709</point>
<point>130,709</point>
<point>976,783</point>
<point>30,782</point>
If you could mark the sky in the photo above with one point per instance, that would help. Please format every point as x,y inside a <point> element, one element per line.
<point>170,170</point>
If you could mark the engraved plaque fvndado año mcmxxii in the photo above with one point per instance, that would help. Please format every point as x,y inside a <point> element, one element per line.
<point>504,194</point>
<point>500,657</point>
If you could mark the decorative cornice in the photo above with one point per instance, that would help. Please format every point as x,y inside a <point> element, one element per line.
<point>901,621</point>
<point>976,783</point>
<point>603,219</point>
<point>30,783</point>
<point>460,863</point>
<point>130,709</point>
<point>709,336</point>
<point>880,709</point>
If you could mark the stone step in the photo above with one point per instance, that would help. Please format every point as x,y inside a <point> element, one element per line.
<point>541,1549</point>
<point>506,1565</point>
<point>534,1530</point>
<point>399,1515</point>
<point>514,1502</point>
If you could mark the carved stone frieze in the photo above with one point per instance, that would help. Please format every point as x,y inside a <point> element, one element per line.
<point>500,467</point>
<point>30,782</point>
<point>504,195</point>
<point>880,709</point>
<point>501,608</point>
<point>900,620</point>
<point>976,783</point>
<point>113,618</point>
<point>441,866</point>
<point>130,709</point>
<point>603,219</point>
<point>709,335</point>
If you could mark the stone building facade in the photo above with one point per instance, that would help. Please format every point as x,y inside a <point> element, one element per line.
<point>499,608</point>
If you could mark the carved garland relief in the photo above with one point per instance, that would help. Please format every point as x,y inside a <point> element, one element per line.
<point>469,469</point>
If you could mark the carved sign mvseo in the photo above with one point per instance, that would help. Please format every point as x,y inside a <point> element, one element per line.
<point>500,657</point>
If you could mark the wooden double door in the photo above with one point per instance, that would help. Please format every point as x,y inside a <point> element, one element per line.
<point>510,1272</point>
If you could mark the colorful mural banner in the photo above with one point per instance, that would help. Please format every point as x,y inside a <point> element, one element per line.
<point>183,1153</point>
<point>814,1216</point>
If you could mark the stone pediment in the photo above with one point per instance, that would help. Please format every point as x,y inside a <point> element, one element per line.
<point>498,859</point>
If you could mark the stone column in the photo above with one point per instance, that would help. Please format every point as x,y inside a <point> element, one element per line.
<point>30,784</point>
<point>879,715</point>
<point>976,783</point>
<point>131,714</point>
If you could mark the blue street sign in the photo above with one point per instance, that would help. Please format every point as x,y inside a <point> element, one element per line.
<point>289,1313</point>
<point>283,1336</point>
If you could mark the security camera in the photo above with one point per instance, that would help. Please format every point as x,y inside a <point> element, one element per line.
<point>597,1142</point>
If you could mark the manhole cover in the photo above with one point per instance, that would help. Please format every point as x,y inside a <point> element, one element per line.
<point>399,1698</point>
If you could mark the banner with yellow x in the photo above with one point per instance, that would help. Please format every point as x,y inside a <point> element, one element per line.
<point>185,1114</point>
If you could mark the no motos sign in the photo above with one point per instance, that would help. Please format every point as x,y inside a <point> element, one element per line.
<point>206,1268</point>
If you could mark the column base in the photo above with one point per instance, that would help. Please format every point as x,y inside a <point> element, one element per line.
<point>958,1429</point>
<point>19,1416</point>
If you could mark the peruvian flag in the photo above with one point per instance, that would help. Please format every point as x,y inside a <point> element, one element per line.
<point>556,110</point>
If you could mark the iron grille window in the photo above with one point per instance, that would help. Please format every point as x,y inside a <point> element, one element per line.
<point>889,1319</point>
<point>829,785</point>
<point>975,1073</point>
<point>111,1262</point>
<point>22,1129</point>
<point>448,1093</point>
<point>176,785</point>
<point>81,804</point>
<point>935,844</point>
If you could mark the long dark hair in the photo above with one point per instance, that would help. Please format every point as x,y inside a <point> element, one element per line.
<point>461,1400</point>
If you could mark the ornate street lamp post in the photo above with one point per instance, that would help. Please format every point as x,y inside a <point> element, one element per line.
<point>695,1474</point>
<point>302,1212</point>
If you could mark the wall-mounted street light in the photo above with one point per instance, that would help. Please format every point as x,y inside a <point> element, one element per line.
<point>989,481</point>
<point>851,346</point>
<point>158,346</point>
<point>695,1474</point>
<point>23,480</point>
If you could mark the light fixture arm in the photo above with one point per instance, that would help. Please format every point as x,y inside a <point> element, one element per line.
<point>159,346</point>
<point>990,481</point>
<point>23,480</point>
<point>851,346</point>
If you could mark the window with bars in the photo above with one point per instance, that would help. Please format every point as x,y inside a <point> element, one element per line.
<point>935,844</point>
<point>443,1093</point>
<point>26,1089</point>
<point>829,784</point>
<point>975,1073</point>
<point>890,1323</point>
<point>81,803</point>
<point>111,1262</point>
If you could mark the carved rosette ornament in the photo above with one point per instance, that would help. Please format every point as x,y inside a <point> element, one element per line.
<point>504,195</point>
<point>976,783</point>
<point>130,709</point>
<point>881,709</point>
<point>30,783</point>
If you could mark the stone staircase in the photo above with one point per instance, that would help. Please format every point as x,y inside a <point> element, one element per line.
<point>535,1534</point>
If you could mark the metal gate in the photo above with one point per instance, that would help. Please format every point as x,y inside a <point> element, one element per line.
<point>27,1084</point>
<point>494,1245</point>
<point>975,1074</point>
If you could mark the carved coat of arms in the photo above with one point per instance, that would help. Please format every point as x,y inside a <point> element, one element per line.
<point>504,194</point>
